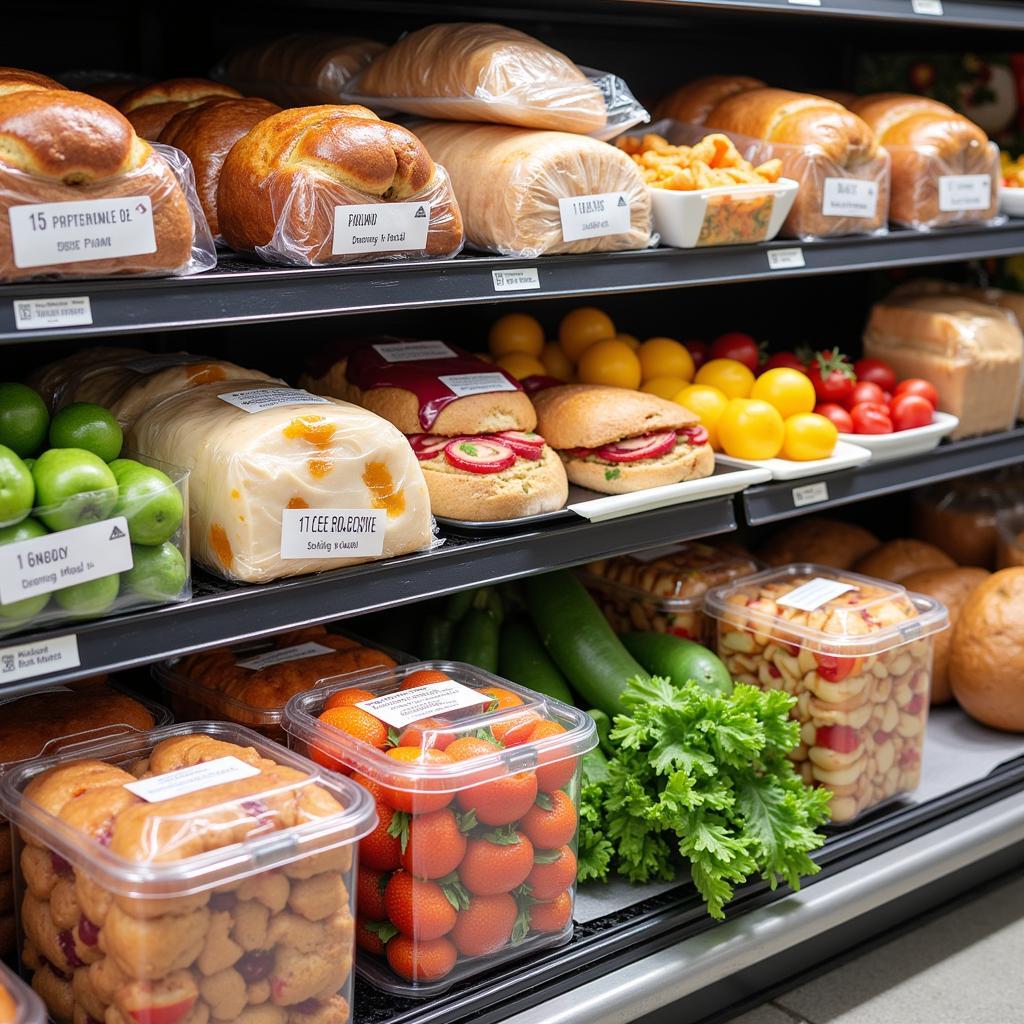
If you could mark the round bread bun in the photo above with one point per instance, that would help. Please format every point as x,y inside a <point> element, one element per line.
<point>986,660</point>
<point>952,587</point>
<point>684,462</point>
<point>897,559</point>
<point>819,541</point>
<point>527,488</point>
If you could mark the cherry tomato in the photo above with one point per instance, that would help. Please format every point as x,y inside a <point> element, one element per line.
<point>871,418</point>
<point>834,669</point>
<point>808,437</point>
<point>837,414</point>
<point>865,391</point>
<point>917,386</point>
<point>739,346</point>
<point>909,411</point>
<point>841,738</point>
<point>877,372</point>
<point>783,360</point>
<point>698,351</point>
<point>832,376</point>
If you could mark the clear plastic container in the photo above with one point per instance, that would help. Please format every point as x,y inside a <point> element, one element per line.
<point>474,860</point>
<point>219,885</point>
<point>18,1003</point>
<point>662,590</point>
<point>1010,539</point>
<point>856,653</point>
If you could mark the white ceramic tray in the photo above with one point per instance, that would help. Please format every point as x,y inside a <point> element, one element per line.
<point>1011,201</point>
<point>845,456</point>
<point>905,442</point>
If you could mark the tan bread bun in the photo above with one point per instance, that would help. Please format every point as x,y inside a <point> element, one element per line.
<point>592,415</point>
<point>952,587</point>
<point>986,660</point>
<point>684,462</point>
<point>20,80</point>
<point>897,559</point>
<point>527,488</point>
<point>819,541</point>
<point>151,106</point>
<point>691,103</point>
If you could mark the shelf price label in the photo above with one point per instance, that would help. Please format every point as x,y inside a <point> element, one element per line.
<point>38,658</point>
<point>931,8</point>
<point>805,3</point>
<point>524,280</point>
<point>786,259</point>
<point>810,494</point>
<point>37,314</point>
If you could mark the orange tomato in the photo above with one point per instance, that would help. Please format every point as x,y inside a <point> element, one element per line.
<point>348,697</point>
<point>515,332</point>
<point>581,327</point>
<point>423,677</point>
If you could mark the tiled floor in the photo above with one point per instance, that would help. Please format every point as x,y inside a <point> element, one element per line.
<point>964,966</point>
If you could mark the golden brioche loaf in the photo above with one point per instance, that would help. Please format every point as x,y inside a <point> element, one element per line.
<point>691,103</point>
<point>20,80</point>
<point>150,107</point>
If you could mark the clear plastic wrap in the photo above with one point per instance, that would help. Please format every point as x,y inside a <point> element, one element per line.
<point>469,71</point>
<point>532,193</point>
<point>18,1003</point>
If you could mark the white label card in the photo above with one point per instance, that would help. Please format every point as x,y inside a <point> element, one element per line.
<point>849,197</point>
<point>293,653</point>
<point>929,7</point>
<point>527,279</point>
<point>380,227</point>
<point>43,234</point>
<point>34,314</point>
<point>58,560</point>
<point>810,494</point>
<point>814,593</point>
<point>965,192</point>
<point>604,213</point>
<point>785,259</point>
<point>463,384</point>
<point>332,532</point>
<point>805,3</point>
<point>262,399</point>
<point>410,351</point>
<point>192,779</point>
<point>400,708</point>
<point>38,658</point>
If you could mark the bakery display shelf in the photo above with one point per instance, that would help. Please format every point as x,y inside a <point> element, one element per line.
<point>766,503</point>
<point>244,292</point>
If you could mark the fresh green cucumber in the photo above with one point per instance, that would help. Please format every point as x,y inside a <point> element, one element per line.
<point>435,637</point>
<point>458,604</point>
<point>580,640</point>
<point>604,729</point>
<point>476,640</point>
<point>523,659</point>
<point>679,660</point>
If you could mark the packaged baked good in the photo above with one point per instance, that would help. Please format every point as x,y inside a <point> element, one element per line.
<point>1010,539</point>
<point>192,872</point>
<point>18,1003</point>
<point>662,590</point>
<point>109,86</point>
<point>896,559</point>
<point>314,186</point>
<point>691,103</point>
<point>152,105</point>
<point>22,80</point>
<point>857,655</point>
<point>818,540</point>
<point>432,740</point>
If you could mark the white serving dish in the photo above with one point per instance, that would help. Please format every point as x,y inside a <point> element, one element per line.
<point>845,456</point>
<point>902,443</point>
<point>1011,201</point>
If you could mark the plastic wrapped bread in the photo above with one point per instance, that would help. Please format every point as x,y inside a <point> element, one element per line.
<point>257,453</point>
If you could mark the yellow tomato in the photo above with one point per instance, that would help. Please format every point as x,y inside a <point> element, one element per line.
<point>521,365</point>
<point>751,429</point>
<point>556,362</point>
<point>665,357</point>
<point>706,402</point>
<point>630,339</point>
<point>515,332</point>
<point>663,387</point>
<point>610,362</point>
<point>790,391</point>
<point>809,436</point>
<point>728,375</point>
<point>581,328</point>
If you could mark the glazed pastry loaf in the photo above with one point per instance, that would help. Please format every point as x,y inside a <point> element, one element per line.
<point>151,106</point>
<point>691,103</point>
<point>19,80</point>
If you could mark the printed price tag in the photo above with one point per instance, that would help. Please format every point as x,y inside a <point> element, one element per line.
<point>295,653</point>
<point>523,280</point>
<point>38,658</point>
<point>605,213</point>
<point>262,399</point>
<point>814,593</point>
<point>58,560</point>
<point>965,192</point>
<point>400,708</point>
<point>849,197</point>
<point>785,259</point>
<point>380,227</point>
<point>192,779</point>
<point>463,384</point>
<point>805,3</point>
<point>91,229</point>
<point>34,314</point>
<point>933,8</point>
<point>810,494</point>
<point>409,351</point>
<point>332,532</point>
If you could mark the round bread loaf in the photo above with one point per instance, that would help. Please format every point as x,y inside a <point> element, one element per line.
<point>151,106</point>
<point>818,541</point>
<point>897,559</point>
<point>20,80</point>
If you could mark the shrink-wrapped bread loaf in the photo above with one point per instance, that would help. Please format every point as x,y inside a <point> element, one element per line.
<point>513,186</point>
<point>691,103</point>
<point>21,80</point>
<point>150,107</point>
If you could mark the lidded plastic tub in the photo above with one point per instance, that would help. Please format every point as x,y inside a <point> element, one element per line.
<point>18,1003</point>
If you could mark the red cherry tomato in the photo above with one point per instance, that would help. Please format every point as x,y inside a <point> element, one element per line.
<point>865,391</point>
<point>910,411</point>
<point>784,360</point>
<point>841,738</point>
<point>739,346</point>
<point>871,418</point>
<point>877,372</point>
<point>834,669</point>
<point>698,352</point>
<point>917,386</point>
<point>837,414</point>
<point>832,376</point>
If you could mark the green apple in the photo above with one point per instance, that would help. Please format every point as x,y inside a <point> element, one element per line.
<point>86,600</point>
<point>148,499</point>
<point>157,573</point>
<point>24,419</point>
<point>88,426</point>
<point>73,487</point>
<point>27,529</point>
<point>17,489</point>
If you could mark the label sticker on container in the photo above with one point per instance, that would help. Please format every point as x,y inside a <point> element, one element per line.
<point>965,192</point>
<point>192,779</point>
<point>332,532</point>
<point>814,593</point>
<point>849,197</point>
<point>463,384</point>
<point>34,314</point>
<point>400,708</point>
<point>58,560</point>
<point>810,494</point>
<point>604,213</point>
<point>785,259</point>
<point>380,227</point>
<point>409,351</point>
<point>43,234</point>
<point>294,653</point>
<point>523,280</point>
<point>262,399</point>
<point>929,7</point>
<point>38,658</point>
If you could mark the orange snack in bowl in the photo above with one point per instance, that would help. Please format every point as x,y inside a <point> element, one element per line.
<point>713,162</point>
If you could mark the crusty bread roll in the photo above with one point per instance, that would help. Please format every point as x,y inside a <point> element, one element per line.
<point>282,181</point>
<point>150,107</point>
<point>20,80</point>
<point>897,559</point>
<point>509,180</point>
<point>109,86</point>
<point>691,103</point>
<point>473,71</point>
<point>57,145</point>
<point>819,541</point>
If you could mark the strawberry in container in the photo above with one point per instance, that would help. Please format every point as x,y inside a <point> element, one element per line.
<point>476,783</point>
<point>856,652</point>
